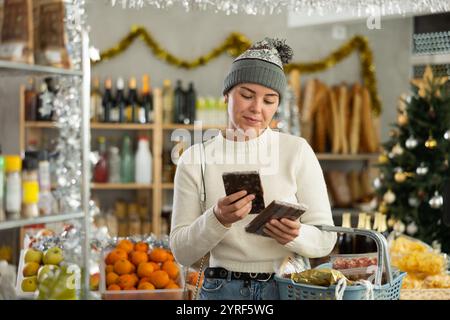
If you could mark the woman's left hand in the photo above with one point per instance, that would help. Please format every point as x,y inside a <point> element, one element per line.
<point>284,230</point>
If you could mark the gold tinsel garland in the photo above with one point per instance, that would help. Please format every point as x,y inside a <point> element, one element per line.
<point>237,43</point>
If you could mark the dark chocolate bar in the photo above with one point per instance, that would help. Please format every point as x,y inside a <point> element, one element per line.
<point>275,210</point>
<point>245,180</point>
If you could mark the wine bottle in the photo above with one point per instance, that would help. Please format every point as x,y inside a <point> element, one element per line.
<point>167,94</point>
<point>96,112</point>
<point>345,241</point>
<point>31,100</point>
<point>146,107</point>
<point>107,103</point>
<point>179,103</point>
<point>360,242</point>
<point>127,161</point>
<point>191,97</point>
<point>132,106</point>
<point>120,102</point>
<point>370,244</point>
<point>382,225</point>
<point>101,167</point>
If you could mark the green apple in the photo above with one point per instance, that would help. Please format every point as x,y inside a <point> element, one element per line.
<point>30,269</point>
<point>29,284</point>
<point>53,255</point>
<point>46,271</point>
<point>33,255</point>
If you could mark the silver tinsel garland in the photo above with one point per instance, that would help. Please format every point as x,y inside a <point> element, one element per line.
<point>262,7</point>
<point>67,107</point>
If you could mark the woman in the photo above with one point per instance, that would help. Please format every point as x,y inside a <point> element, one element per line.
<point>241,264</point>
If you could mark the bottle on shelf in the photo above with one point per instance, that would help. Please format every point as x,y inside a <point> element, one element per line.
<point>114,165</point>
<point>46,200</point>
<point>191,98</point>
<point>2,188</point>
<point>360,241</point>
<point>143,167</point>
<point>370,245</point>
<point>104,113</point>
<point>179,104</point>
<point>134,222</point>
<point>345,240</point>
<point>30,188</point>
<point>101,167</point>
<point>127,161</point>
<point>31,100</point>
<point>146,108</point>
<point>96,111</point>
<point>120,102</point>
<point>132,105</point>
<point>13,167</point>
<point>167,94</point>
<point>112,224</point>
<point>382,225</point>
<point>45,104</point>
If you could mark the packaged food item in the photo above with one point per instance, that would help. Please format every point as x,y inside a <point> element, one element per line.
<point>291,265</point>
<point>319,277</point>
<point>245,180</point>
<point>50,37</point>
<point>349,261</point>
<point>17,40</point>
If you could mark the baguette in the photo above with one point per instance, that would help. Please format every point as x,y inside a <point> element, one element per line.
<point>307,106</point>
<point>320,120</point>
<point>369,141</point>
<point>354,185</point>
<point>335,141</point>
<point>340,191</point>
<point>343,115</point>
<point>355,120</point>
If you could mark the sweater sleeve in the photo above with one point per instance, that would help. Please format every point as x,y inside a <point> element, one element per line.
<point>312,191</point>
<point>193,233</point>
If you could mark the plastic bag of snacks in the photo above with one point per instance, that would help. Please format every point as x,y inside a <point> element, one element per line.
<point>291,265</point>
<point>356,266</point>
<point>50,36</point>
<point>17,31</point>
<point>425,267</point>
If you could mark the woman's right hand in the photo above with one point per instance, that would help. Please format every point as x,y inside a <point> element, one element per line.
<point>228,211</point>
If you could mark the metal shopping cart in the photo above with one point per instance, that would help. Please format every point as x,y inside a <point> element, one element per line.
<point>289,290</point>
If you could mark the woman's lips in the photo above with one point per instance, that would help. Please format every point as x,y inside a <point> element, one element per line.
<point>252,120</point>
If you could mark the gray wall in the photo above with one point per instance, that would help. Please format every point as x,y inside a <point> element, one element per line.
<point>189,35</point>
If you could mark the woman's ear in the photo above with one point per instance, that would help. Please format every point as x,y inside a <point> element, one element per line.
<point>225,98</point>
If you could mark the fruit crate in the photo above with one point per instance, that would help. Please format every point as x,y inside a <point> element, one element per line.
<point>158,294</point>
<point>19,292</point>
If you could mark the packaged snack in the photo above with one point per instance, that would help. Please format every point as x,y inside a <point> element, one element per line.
<point>50,36</point>
<point>291,265</point>
<point>351,261</point>
<point>245,180</point>
<point>16,41</point>
<point>319,277</point>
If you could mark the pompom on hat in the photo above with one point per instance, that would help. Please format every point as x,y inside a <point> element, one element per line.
<point>262,64</point>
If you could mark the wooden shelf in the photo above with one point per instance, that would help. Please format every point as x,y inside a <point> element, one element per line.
<point>173,126</point>
<point>121,126</point>
<point>167,185</point>
<point>9,68</point>
<point>120,186</point>
<point>347,157</point>
<point>40,124</point>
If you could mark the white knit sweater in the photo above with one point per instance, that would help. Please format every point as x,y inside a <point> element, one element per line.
<point>289,172</point>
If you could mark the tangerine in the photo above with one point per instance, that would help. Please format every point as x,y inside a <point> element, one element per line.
<point>146,286</point>
<point>136,279</point>
<point>144,279</point>
<point>141,246</point>
<point>115,255</point>
<point>159,279</point>
<point>138,257</point>
<point>172,285</point>
<point>171,268</point>
<point>125,245</point>
<point>109,268</point>
<point>145,269</point>
<point>158,255</point>
<point>126,281</point>
<point>111,278</point>
<point>129,288</point>
<point>123,266</point>
<point>114,287</point>
<point>156,266</point>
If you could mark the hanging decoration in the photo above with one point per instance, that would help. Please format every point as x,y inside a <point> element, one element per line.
<point>319,7</point>
<point>236,43</point>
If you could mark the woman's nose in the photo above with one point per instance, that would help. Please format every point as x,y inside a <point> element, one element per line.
<point>256,106</point>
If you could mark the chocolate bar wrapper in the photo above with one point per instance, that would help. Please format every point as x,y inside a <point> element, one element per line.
<point>245,180</point>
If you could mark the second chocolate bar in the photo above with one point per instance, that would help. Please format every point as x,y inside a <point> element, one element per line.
<point>245,180</point>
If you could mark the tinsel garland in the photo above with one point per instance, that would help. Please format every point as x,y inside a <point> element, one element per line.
<point>237,43</point>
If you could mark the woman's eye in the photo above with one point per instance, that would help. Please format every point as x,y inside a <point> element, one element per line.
<point>269,102</point>
<point>246,97</point>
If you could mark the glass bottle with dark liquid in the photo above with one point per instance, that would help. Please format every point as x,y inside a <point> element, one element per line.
<point>359,240</point>
<point>345,242</point>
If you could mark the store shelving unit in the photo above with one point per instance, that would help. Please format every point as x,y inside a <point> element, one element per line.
<point>430,59</point>
<point>13,69</point>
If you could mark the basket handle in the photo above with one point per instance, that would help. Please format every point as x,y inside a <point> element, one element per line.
<point>382,248</point>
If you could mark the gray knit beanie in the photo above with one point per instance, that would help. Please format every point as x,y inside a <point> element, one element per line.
<point>262,64</point>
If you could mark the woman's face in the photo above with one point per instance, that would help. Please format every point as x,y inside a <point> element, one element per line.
<point>251,106</point>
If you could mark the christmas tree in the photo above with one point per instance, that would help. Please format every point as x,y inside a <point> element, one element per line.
<point>414,167</point>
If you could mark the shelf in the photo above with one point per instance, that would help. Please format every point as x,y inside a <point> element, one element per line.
<point>40,124</point>
<point>121,126</point>
<point>120,186</point>
<point>23,69</point>
<point>167,185</point>
<point>9,224</point>
<point>430,59</point>
<point>173,126</point>
<point>347,157</point>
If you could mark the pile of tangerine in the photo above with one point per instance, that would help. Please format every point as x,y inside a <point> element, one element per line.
<point>132,266</point>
